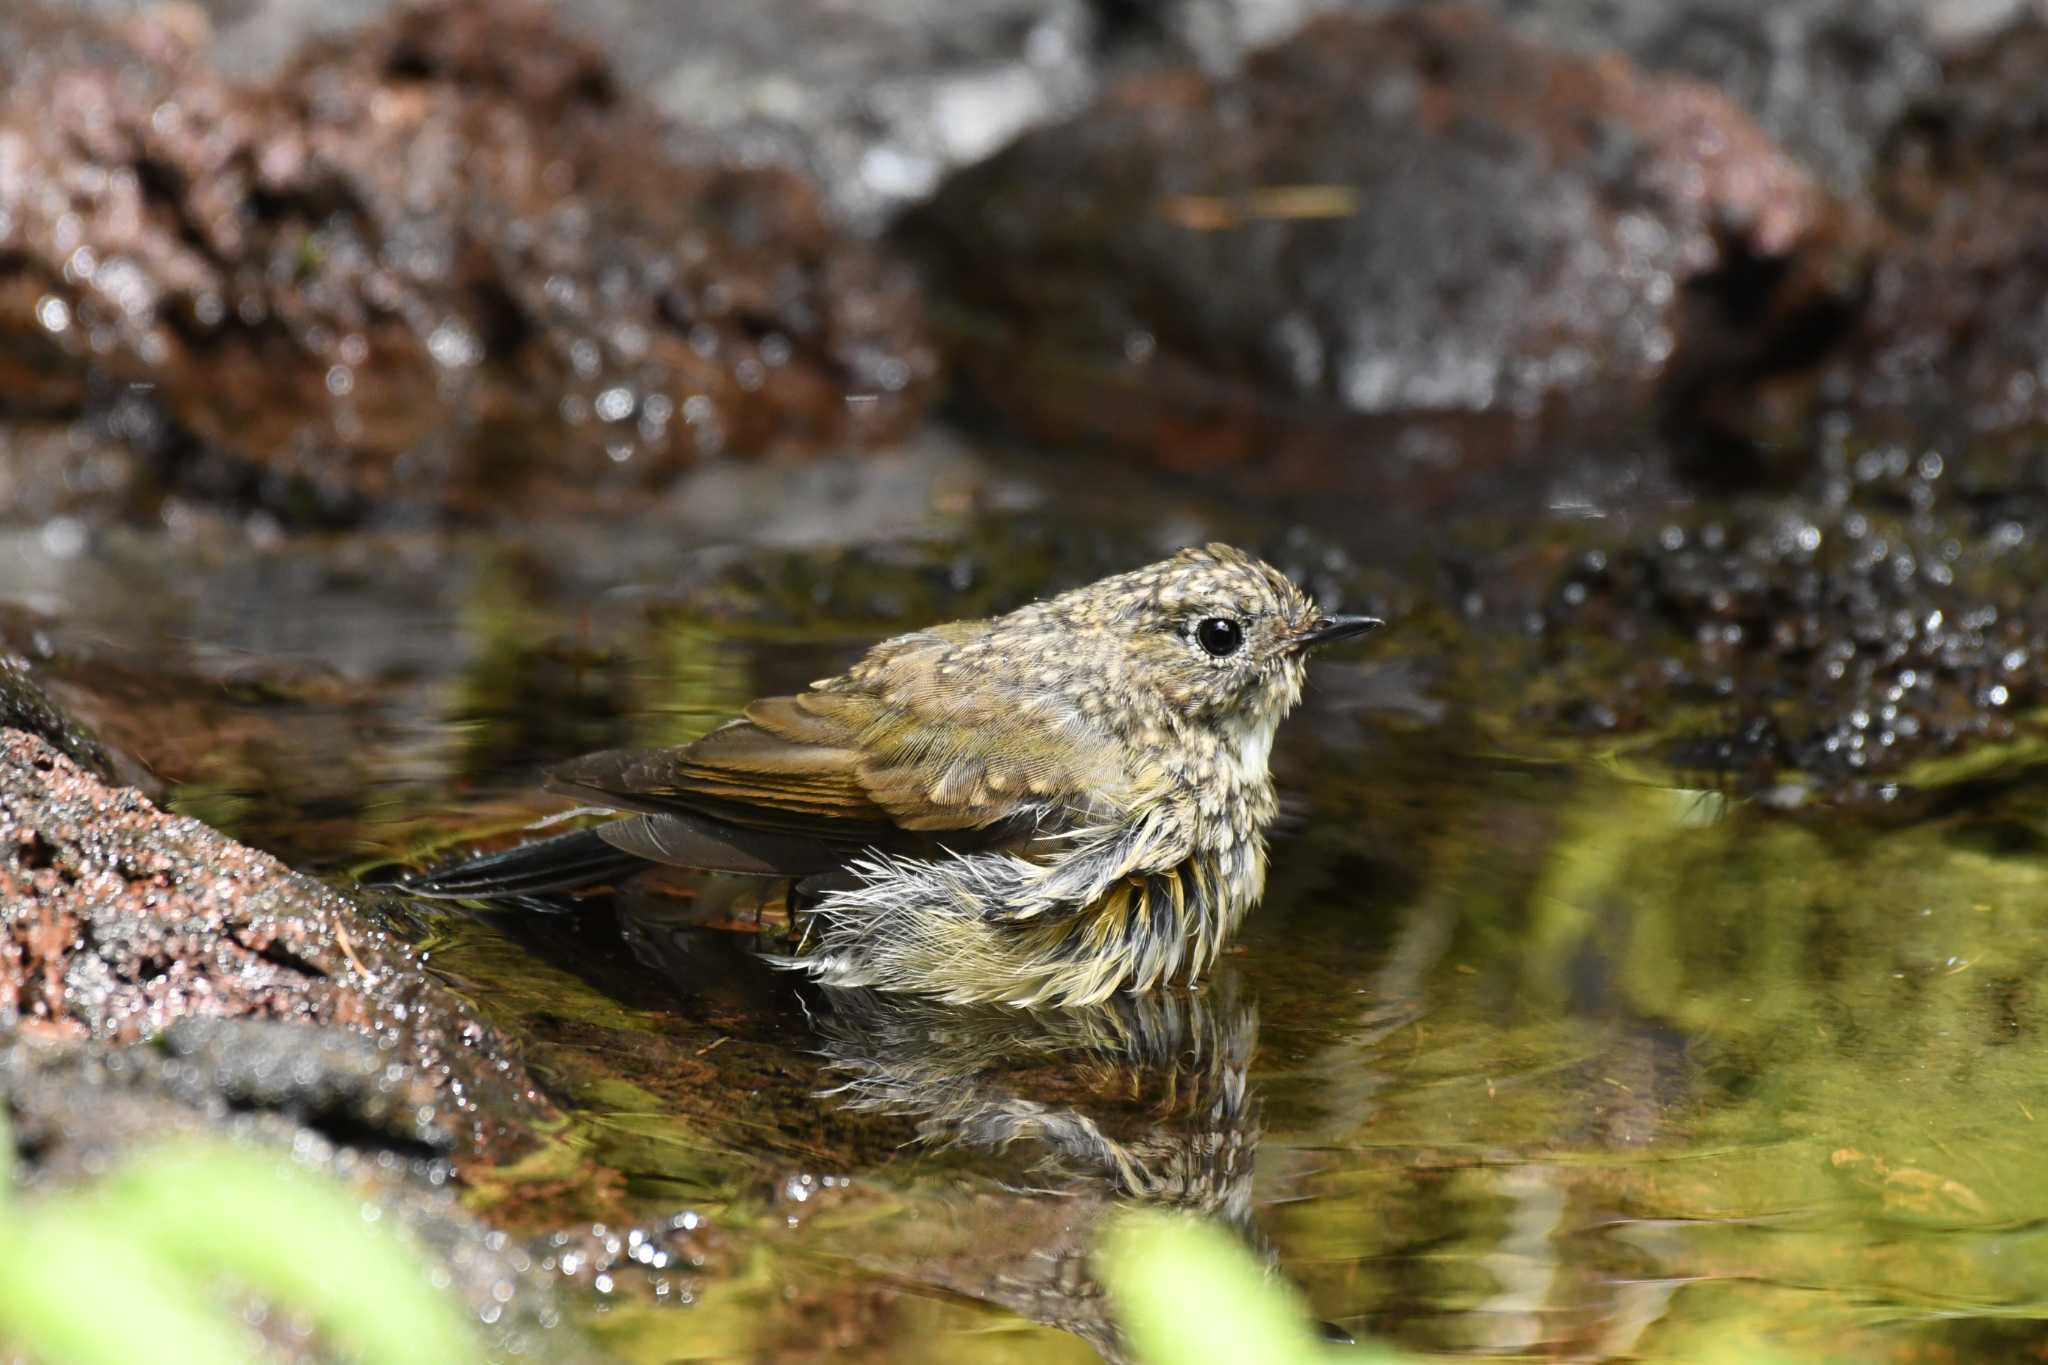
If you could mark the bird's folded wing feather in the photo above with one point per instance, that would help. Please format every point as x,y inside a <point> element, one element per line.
<point>863,767</point>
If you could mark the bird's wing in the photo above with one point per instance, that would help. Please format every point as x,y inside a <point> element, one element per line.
<point>865,767</point>
<point>741,774</point>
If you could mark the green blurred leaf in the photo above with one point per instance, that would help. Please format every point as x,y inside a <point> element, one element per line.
<point>1188,1294</point>
<point>292,1237</point>
<point>75,1289</point>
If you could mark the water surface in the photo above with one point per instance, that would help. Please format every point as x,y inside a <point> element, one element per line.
<point>1537,1048</point>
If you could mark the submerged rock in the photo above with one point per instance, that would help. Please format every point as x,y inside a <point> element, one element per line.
<point>118,922</point>
<point>1835,644</point>
<point>1421,216</point>
<point>442,259</point>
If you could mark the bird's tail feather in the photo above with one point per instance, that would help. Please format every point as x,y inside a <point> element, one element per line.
<point>565,862</point>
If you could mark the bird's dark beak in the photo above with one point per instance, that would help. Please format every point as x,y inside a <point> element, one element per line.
<point>1328,630</point>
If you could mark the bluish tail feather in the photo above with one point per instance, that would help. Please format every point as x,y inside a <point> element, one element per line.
<point>565,862</point>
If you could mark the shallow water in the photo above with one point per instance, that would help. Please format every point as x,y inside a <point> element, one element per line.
<point>1533,1049</point>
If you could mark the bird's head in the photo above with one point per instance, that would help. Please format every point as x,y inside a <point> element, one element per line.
<point>1219,638</point>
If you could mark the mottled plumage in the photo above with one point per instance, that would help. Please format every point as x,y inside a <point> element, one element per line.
<point>1043,808</point>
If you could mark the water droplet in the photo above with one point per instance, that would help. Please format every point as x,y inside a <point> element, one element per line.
<point>454,346</point>
<point>64,537</point>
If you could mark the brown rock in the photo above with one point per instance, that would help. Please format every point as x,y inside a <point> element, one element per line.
<point>1416,217</point>
<point>443,259</point>
<point>117,921</point>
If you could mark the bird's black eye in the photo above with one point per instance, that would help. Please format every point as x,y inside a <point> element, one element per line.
<point>1220,635</point>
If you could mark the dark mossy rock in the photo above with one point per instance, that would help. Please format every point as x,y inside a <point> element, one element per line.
<point>1421,217</point>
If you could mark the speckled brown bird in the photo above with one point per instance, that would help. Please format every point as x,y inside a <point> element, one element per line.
<point>1044,808</point>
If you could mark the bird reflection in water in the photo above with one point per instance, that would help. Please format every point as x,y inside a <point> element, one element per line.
<point>1141,1099</point>
<point>1070,1114</point>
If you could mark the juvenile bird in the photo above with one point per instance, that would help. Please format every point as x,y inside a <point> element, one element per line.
<point>1044,808</point>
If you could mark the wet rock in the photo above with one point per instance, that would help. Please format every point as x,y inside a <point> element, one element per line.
<point>25,706</point>
<point>254,1078</point>
<point>878,101</point>
<point>439,260</point>
<point>78,1107</point>
<point>1417,217</point>
<point>1824,78</point>
<point>888,97</point>
<point>120,921</point>
<point>332,1081</point>
<point>881,100</point>
<point>885,99</point>
<point>1954,344</point>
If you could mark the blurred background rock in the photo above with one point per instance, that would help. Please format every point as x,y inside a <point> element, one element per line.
<point>321,259</point>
